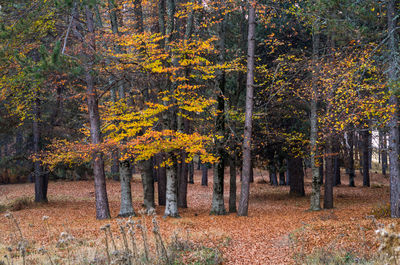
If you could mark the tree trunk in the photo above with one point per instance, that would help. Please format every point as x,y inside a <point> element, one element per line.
<point>321,170</point>
<point>171,208</point>
<point>384,158</point>
<point>273,177</point>
<point>217,205</point>
<point>126,208</point>
<point>336,167</point>
<point>393,124</point>
<point>251,173</point>
<point>316,183</point>
<point>204,174</point>
<point>287,173</point>
<point>245,187</point>
<point>138,12</point>
<point>191,172</point>
<point>102,209</point>
<point>350,142</point>
<point>41,179</point>
<point>162,181</point>
<point>329,174</point>
<point>232,184</point>
<point>155,170</point>
<point>198,164</point>
<point>148,184</point>
<point>282,173</point>
<point>115,165</point>
<point>112,9</point>
<point>365,157</point>
<point>182,182</point>
<point>295,168</point>
<point>115,153</point>
<point>370,150</point>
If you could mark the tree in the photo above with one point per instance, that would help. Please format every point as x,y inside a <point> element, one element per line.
<point>316,184</point>
<point>246,168</point>
<point>102,208</point>
<point>393,124</point>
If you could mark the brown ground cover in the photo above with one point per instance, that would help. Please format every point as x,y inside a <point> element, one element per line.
<point>278,229</point>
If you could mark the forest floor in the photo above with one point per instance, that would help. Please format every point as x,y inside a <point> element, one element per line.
<point>278,230</point>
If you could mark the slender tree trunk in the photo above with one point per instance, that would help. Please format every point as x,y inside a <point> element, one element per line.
<point>126,208</point>
<point>251,173</point>
<point>351,158</point>
<point>232,184</point>
<point>336,166</point>
<point>204,174</point>
<point>316,183</point>
<point>138,12</point>
<point>217,205</point>
<point>282,173</point>
<point>102,209</point>
<point>155,170</point>
<point>115,165</point>
<point>171,207</point>
<point>148,184</point>
<point>112,9</point>
<point>393,124</point>
<point>182,182</point>
<point>191,172</point>
<point>365,157</point>
<point>384,156</point>
<point>162,181</point>
<point>295,167</point>
<point>321,170</point>
<point>287,173</point>
<point>171,123</point>
<point>329,175</point>
<point>41,179</point>
<point>370,150</point>
<point>161,16</point>
<point>273,177</point>
<point>336,162</point>
<point>245,188</point>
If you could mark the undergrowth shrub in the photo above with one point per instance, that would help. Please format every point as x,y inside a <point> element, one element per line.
<point>17,204</point>
<point>381,210</point>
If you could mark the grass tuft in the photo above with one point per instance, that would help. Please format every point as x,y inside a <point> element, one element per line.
<point>381,210</point>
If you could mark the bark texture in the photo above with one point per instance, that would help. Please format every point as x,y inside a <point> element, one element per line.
<point>245,187</point>
<point>329,174</point>
<point>41,179</point>
<point>295,168</point>
<point>182,182</point>
<point>126,208</point>
<point>171,207</point>
<point>232,184</point>
<point>217,205</point>
<point>351,173</point>
<point>365,157</point>
<point>393,124</point>
<point>146,168</point>
<point>204,175</point>
<point>162,181</point>
<point>315,204</point>
<point>102,209</point>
